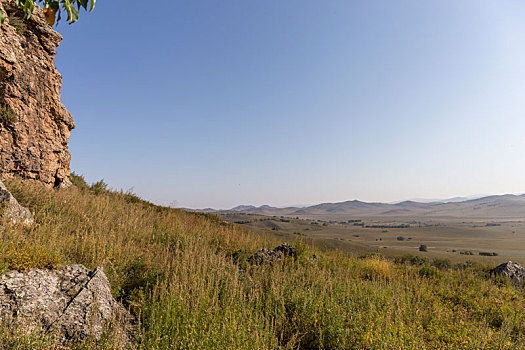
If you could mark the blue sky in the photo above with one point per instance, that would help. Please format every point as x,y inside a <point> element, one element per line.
<point>220,103</point>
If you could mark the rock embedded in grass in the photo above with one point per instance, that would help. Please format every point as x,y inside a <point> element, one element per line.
<point>14,211</point>
<point>511,270</point>
<point>286,249</point>
<point>70,305</point>
<point>270,256</point>
<point>265,256</point>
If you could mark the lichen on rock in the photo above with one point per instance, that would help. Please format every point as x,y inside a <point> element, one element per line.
<point>12,209</point>
<point>511,270</point>
<point>34,124</point>
<point>70,304</point>
<point>270,256</point>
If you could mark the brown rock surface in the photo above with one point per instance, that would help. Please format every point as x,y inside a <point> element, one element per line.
<point>34,125</point>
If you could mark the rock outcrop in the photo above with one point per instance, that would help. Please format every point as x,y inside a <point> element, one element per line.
<point>10,207</point>
<point>34,124</point>
<point>270,256</point>
<point>511,270</point>
<point>67,304</point>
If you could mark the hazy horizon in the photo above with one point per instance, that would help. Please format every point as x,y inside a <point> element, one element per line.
<point>228,103</point>
<point>303,205</point>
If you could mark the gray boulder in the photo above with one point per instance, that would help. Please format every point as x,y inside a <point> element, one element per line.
<point>9,206</point>
<point>270,256</point>
<point>286,249</point>
<point>265,256</point>
<point>70,304</point>
<point>511,270</point>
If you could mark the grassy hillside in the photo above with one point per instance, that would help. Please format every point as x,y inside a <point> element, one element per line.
<point>179,274</point>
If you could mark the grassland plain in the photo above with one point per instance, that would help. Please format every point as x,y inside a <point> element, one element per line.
<point>178,272</point>
<point>448,238</point>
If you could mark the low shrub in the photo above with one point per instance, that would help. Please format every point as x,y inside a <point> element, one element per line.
<point>442,263</point>
<point>488,254</point>
<point>23,257</point>
<point>412,260</point>
<point>7,116</point>
<point>99,187</point>
<point>78,181</point>
<point>428,271</point>
<point>376,268</point>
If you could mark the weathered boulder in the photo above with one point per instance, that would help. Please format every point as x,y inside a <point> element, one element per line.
<point>286,249</point>
<point>270,256</point>
<point>34,124</point>
<point>511,270</point>
<point>69,304</point>
<point>10,207</point>
<point>265,255</point>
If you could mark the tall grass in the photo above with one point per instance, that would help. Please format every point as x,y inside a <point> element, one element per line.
<point>176,272</point>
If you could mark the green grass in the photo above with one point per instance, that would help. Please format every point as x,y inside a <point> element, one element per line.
<point>7,116</point>
<point>175,271</point>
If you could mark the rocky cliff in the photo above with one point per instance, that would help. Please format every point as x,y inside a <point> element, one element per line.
<point>34,124</point>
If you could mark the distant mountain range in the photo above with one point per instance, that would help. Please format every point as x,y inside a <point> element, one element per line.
<point>242,208</point>
<point>500,206</point>
<point>448,200</point>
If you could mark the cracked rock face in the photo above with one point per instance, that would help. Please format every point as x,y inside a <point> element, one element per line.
<point>16,213</point>
<point>512,270</point>
<point>69,304</point>
<point>34,124</point>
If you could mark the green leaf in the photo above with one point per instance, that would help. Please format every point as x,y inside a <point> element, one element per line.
<point>83,3</point>
<point>29,6</point>
<point>2,17</point>
<point>54,5</point>
<point>72,12</point>
<point>71,7</point>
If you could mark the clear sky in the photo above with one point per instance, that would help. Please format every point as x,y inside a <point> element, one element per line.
<point>220,103</point>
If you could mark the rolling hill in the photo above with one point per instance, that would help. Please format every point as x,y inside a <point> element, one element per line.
<point>498,206</point>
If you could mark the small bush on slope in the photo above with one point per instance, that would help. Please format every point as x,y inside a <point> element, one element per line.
<point>7,116</point>
<point>175,270</point>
